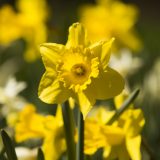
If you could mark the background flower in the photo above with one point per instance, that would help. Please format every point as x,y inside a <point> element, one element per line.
<point>112,19</point>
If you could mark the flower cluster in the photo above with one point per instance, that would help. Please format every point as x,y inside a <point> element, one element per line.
<point>85,78</point>
<point>120,140</point>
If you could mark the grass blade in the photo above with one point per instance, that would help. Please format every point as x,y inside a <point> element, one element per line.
<point>40,155</point>
<point>8,146</point>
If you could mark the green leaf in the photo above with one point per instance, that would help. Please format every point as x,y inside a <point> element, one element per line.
<point>40,155</point>
<point>8,146</point>
<point>2,157</point>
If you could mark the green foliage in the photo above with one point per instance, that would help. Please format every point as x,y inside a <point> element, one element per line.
<point>40,155</point>
<point>8,146</point>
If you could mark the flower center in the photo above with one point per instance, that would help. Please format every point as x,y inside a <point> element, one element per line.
<point>78,70</point>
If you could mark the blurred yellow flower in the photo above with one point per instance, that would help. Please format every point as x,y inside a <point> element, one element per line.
<point>112,18</point>
<point>27,23</point>
<point>131,122</point>
<point>30,124</point>
<point>79,70</point>
<point>102,136</point>
<point>50,128</point>
<point>9,26</point>
<point>121,140</point>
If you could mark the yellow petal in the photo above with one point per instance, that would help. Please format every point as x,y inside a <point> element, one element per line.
<point>133,42</point>
<point>103,47</point>
<point>107,85</point>
<point>118,152</point>
<point>52,91</point>
<point>92,140</point>
<point>54,144</point>
<point>77,36</point>
<point>133,147</point>
<point>71,102</point>
<point>27,120</point>
<point>113,135</point>
<point>96,48</point>
<point>101,114</point>
<point>134,122</point>
<point>105,54</point>
<point>50,54</point>
<point>107,151</point>
<point>119,100</point>
<point>58,116</point>
<point>85,103</point>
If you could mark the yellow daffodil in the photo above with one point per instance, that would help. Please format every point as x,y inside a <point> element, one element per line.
<point>27,23</point>
<point>112,18</point>
<point>79,70</point>
<point>30,124</point>
<point>54,141</point>
<point>49,128</point>
<point>32,17</point>
<point>92,139</point>
<point>131,123</point>
<point>120,140</point>
<point>9,26</point>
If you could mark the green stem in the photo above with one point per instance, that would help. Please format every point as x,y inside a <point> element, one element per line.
<point>88,157</point>
<point>69,130</point>
<point>40,155</point>
<point>8,146</point>
<point>80,145</point>
<point>124,106</point>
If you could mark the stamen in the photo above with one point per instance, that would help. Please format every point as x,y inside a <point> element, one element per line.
<point>79,69</point>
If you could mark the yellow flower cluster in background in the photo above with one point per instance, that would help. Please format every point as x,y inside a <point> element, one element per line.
<point>50,128</point>
<point>112,18</point>
<point>82,78</point>
<point>27,23</point>
<point>79,70</point>
<point>120,140</point>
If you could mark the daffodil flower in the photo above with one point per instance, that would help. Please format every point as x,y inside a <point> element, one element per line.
<point>132,122</point>
<point>110,18</point>
<point>31,125</point>
<point>79,70</point>
<point>121,140</point>
<point>27,23</point>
